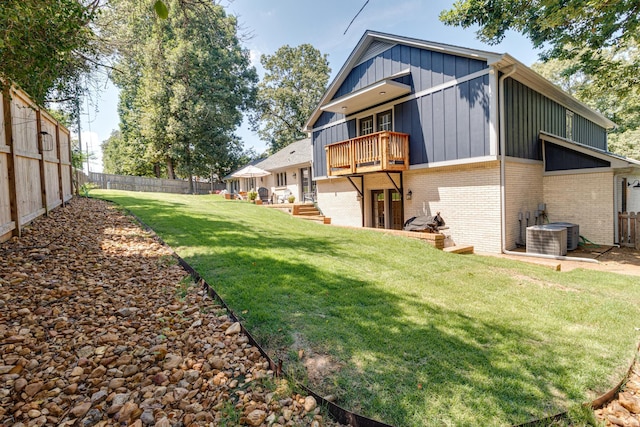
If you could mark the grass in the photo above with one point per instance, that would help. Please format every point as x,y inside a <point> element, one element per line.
<point>409,335</point>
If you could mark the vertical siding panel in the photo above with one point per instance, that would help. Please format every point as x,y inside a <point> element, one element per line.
<point>449,67</point>
<point>463,113</point>
<point>484,108</point>
<point>438,127</point>
<point>387,67</point>
<point>418,133</point>
<point>477,140</point>
<point>436,68</point>
<point>427,127</point>
<point>379,68</point>
<point>451,124</point>
<point>405,57</point>
<point>462,66</point>
<point>396,58</point>
<point>371,74</point>
<point>425,72</point>
<point>416,81</point>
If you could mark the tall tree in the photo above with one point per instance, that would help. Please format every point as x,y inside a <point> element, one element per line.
<point>583,31</point>
<point>188,83</point>
<point>45,46</point>
<point>295,79</point>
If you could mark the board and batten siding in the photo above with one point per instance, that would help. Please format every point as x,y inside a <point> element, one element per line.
<point>428,69</point>
<point>320,139</point>
<point>527,112</point>
<point>449,124</point>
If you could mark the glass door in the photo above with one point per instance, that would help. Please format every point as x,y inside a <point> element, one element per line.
<point>377,196</point>
<point>396,210</point>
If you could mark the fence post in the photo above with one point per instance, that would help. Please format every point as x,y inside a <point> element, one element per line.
<point>623,225</point>
<point>59,153</point>
<point>43,178</point>
<point>11,158</point>
<point>632,229</point>
<point>637,233</point>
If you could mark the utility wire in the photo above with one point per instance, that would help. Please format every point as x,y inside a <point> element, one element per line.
<point>354,18</point>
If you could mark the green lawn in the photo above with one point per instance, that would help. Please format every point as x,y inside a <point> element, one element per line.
<point>413,336</point>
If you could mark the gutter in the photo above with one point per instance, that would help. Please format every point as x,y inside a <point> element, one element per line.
<point>503,201</point>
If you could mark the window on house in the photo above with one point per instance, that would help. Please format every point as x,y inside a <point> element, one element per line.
<point>366,125</point>
<point>281,179</point>
<point>569,133</point>
<point>384,121</point>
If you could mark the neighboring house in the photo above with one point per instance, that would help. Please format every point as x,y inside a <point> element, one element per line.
<point>410,127</point>
<point>290,174</point>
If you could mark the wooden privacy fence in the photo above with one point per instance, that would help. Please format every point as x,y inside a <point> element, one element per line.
<point>629,229</point>
<point>154,185</point>
<point>35,162</point>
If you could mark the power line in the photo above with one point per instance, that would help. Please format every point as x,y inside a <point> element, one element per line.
<point>354,18</point>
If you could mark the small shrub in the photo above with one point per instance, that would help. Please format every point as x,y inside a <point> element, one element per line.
<point>291,199</point>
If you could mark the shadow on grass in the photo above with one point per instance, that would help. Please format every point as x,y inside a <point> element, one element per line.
<point>445,368</point>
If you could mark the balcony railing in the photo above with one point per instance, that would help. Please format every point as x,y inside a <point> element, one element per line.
<point>376,152</point>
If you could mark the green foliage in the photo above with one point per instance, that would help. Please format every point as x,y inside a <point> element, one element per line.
<point>407,334</point>
<point>122,157</point>
<point>583,31</point>
<point>186,83</point>
<point>626,143</point>
<point>295,79</point>
<point>86,188</point>
<point>46,45</point>
<point>161,9</point>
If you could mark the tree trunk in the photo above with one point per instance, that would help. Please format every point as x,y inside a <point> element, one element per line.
<point>156,170</point>
<point>191,187</point>
<point>170,173</point>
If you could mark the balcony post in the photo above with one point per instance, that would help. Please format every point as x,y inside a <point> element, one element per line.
<point>405,148</point>
<point>352,156</point>
<point>384,148</point>
<point>328,151</point>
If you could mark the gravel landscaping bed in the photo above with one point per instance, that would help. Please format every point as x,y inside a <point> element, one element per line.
<point>100,326</point>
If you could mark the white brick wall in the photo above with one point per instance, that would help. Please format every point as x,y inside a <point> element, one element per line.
<point>338,200</point>
<point>467,197</point>
<point>523,191</point>
<point>583,199</point>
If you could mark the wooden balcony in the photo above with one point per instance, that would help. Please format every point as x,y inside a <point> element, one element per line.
<point>377,152</point>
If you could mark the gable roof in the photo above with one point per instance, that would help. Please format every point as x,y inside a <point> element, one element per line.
<point>294,154</point>
<point>374,43</point>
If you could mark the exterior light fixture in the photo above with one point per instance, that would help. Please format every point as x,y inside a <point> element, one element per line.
<point>294,175</point>
<point>383,92</point>
<point>344,107</point>
<point>409,194</point>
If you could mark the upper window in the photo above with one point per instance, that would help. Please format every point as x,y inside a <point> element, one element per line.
<point>384,121</point>
<point>366,125</point>
<point>376,123</point>
<point>569,134</point>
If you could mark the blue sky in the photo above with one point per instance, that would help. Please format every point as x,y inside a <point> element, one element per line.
<point>268,25</point>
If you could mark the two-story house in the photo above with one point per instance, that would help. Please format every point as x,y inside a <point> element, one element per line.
<point>410,127</point>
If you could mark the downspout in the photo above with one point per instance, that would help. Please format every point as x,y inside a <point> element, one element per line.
<point>503,173</point>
